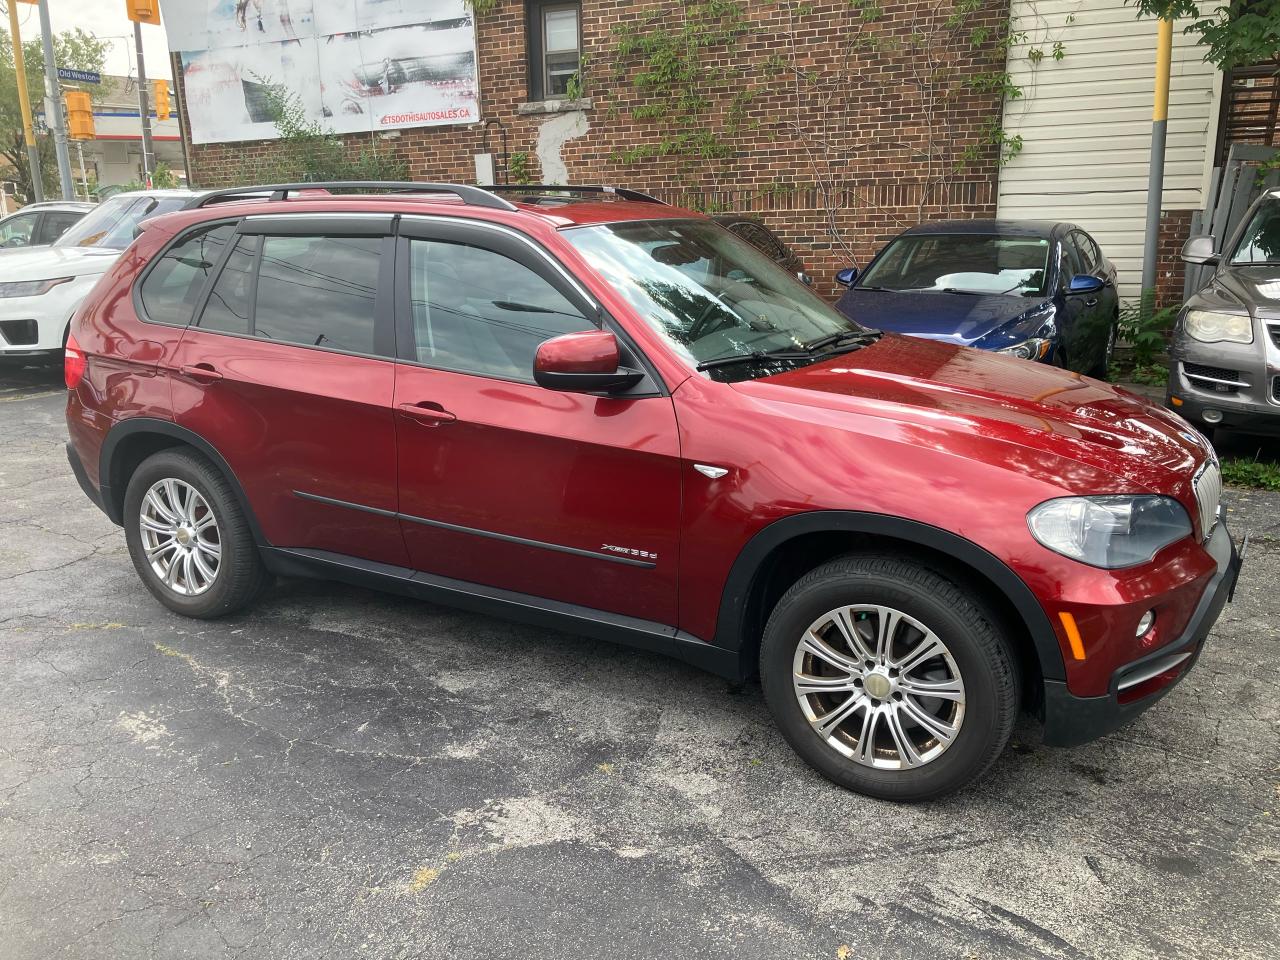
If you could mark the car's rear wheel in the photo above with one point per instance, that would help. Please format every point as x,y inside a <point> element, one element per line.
<point>189,540</point>
<point>889,679</point>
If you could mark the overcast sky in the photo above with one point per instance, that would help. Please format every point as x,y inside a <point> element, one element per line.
<point>107,20</point>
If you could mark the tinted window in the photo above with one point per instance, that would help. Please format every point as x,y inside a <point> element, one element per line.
<point>228,306</point>
<point>1068,263</point>
<point>54,225</point>
<point>1089,253</point>
<point>16,231</point>
<point>172,287</point>
<point>318,291</point>
<point>476,311</point>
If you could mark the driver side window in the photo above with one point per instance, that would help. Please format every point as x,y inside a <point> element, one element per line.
<point>17,231</point>
<point>477,311</point>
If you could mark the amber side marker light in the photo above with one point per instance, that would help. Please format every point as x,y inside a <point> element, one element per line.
<point>1176,401</point>
<point>1073,634</point>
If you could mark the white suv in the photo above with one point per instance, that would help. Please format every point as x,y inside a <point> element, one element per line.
<point>40,289</point>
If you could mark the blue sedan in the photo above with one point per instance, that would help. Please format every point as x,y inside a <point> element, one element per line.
<point>1037,290</point>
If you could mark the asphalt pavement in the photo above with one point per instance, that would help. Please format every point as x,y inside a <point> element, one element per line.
<point>339,773</point>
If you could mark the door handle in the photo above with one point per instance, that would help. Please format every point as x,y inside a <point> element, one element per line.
<point>1091,303</point>
<point>200,372</point>
<point>427,412</point>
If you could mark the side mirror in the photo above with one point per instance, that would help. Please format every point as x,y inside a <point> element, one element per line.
<point>1199,251</point>
<point>585,362</point>
<point>846,276</point>
<point>1083,283</point>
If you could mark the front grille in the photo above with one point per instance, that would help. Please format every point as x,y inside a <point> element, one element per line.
<point>1275,389</point>
<point>1207,485</point>
<point>1218,379</point>
<point>19,333</point>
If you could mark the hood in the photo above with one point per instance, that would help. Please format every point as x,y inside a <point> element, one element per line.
<point>1253,286</point>
<point>962,318</point>
<point>1031,404</point>
<point>47,263</point>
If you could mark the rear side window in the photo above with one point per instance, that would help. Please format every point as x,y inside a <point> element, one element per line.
<point>227,308</point>
<point>173,286</point>
<point>318,291</point>
<point>54,225</point>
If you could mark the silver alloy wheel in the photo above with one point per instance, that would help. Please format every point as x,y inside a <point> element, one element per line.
<point>878,686</point>
<point>180,537</point>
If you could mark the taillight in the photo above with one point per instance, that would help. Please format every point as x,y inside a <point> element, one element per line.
<point>73,363</point>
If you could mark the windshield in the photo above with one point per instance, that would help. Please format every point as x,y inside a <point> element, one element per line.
<point>708,293</point>
<point>1260,242</point>
<point>111,224</point>
<point>967,262</point>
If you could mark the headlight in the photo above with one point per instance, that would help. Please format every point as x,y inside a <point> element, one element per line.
<point>1111,531</point>
<point>30,288</point>
<point>1033,349</point>
<point>1207,326</point>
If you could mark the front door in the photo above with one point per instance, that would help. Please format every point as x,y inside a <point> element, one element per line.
<point>288,370</point>
<point>563,496</point>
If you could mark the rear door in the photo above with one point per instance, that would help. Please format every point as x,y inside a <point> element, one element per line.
<point>288,372</point>
<point>564,496</point>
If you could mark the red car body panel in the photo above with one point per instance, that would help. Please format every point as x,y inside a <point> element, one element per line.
<point>962,441</point>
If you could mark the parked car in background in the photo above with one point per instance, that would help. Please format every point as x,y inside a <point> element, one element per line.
<point>1035,290</point>
<point>40,289</point>
<point>1224,366</point>
<point>39,224</point>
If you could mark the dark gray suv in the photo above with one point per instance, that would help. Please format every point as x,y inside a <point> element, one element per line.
<point>1224,367</point>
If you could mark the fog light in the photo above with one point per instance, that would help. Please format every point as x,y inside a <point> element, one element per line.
<point>1145,623</point>
<point>1212,416</point>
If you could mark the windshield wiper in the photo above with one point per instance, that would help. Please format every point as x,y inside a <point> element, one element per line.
<point>755,356</point>
<point>850,337</point>
<point>967,293</point>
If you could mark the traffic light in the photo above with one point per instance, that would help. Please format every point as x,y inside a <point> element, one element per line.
<point>143,11</point>
<point>79,115</point>
<point>160,93</point>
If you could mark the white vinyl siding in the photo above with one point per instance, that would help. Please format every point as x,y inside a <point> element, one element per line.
<point>1085,122</point>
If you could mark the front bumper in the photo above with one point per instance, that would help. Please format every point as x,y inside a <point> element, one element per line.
<point>1070,720</point>
<point>1244,415</point>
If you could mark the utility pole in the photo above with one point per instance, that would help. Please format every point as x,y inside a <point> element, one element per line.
<point>144,109</point>
<point>24,101</point>
<point>1155,182</point>
<point>53,105</point>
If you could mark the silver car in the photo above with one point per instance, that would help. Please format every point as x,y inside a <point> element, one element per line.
<point>1224,367</point>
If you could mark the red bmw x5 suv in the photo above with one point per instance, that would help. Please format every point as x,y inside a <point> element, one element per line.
<point>585,409</point>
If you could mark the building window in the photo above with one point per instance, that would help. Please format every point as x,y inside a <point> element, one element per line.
<point>555,41</point>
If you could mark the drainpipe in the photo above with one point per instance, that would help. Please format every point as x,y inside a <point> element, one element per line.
<point>1155,185</point>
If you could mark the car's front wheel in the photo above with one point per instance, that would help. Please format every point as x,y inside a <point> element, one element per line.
<point>188,537</point>
<point>889,679</point>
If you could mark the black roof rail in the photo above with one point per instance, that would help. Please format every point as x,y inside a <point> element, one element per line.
<point>474,196</point>
<point>622,193</point>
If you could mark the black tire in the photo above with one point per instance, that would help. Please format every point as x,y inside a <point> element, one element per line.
<point>1102,371</point>
<point>240,576</point>
<point>982,655</point>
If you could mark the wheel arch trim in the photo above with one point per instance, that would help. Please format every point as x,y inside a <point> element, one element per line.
<point>731,622</point>
<point>113,504</point>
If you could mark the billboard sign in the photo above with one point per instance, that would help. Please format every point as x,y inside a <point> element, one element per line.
<point>355,67</point>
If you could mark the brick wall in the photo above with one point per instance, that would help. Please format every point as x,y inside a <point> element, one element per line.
<point>1175,230</point>
<point>878,110</point>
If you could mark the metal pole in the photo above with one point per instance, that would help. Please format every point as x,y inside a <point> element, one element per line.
<point>53,105</point>
<point>1155,185</point>
<point>24,101</point>
<point>144,109</point>
<point>84,176</point>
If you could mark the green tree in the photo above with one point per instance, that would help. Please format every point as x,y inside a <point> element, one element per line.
<point>1234,33</point>
<point>73,48</point>
<point>306,152</point>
